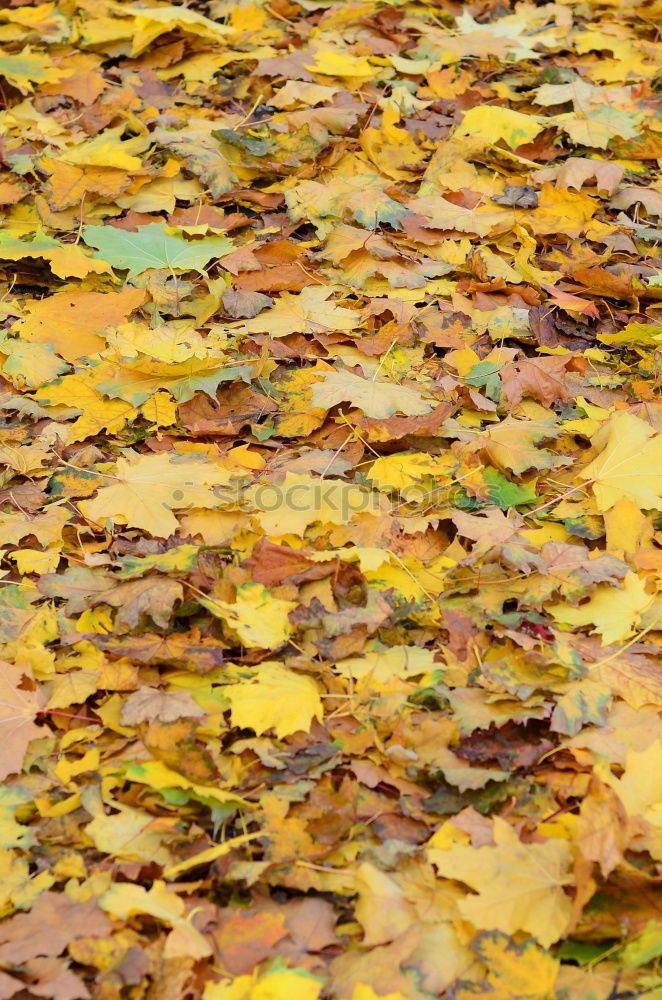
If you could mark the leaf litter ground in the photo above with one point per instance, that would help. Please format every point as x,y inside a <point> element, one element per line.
<point>330,501</point>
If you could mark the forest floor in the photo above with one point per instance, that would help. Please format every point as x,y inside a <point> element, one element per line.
<point>330,495</point>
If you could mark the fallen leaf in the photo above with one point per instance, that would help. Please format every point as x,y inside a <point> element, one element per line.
<point>519,887</point>
<point>329,501</point>
<point>22,937</point>
<point>260,620</point>
<point>493,123</point>
<point>153,246</point>
<point>147,488</point>
<point>149,704</point>
<point>615,614</point>
<point>376,398</point>
<point>627,463</point>
<point>275,698</point>
<point>20,702</point>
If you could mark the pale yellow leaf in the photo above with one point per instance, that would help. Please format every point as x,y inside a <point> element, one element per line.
<point>519,887</point>
<point>629,463</point>
<point>145,489</point>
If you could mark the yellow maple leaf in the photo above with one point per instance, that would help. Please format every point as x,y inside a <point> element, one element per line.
<point>330,63</point>
<point>276,983</point>
<point>279,983</point>
<point>150,23</point>
<point>560,211</point>
<point>72,688</point>
<point>519,886</point>
<point>275,698</point>
<point>494,123</point>
<point>30,365</point>
<point>376,397</point>
<point>247,18</point>
<point>378,669</point>
<point>73,262</point>
<point>155,774</point>
<point>132,835</point>
<point>259,619</point>
<point>17,886</point>
<point>160,409</point>
<point>381,908</point>
<point>46,527</point>
<point>69,182</point>
<point>629,463</point>
<point>616,614</point>
<point>392,149</point>
<point>297,92</point>
<point>168,343</point>
<point>35,561</point>
<point>109,150</point>
<point>443,214</point>
<point>308,312</point>
<point>126,900</point>
<point>97,413</point>
<point>299,500</point>
<point>400,471</point>
<point>73,321</point>
<point>640,787</point>
<point>514,971</point>
<point>159,901</point>
<point>22,69</point>
<point>363,992</point>
<point>67,260</point>
<point>238,988</point>
<point>147,488</point>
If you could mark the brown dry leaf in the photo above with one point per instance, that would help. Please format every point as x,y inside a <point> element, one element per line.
<point>55,981</point>
<point>150,704</point>
<point>68,183</point>
<point>152,598</point>
<point>541,378</point>
<point>245,939</point>
<point>576,171</point>
<point>52,923</point>
<point>9,987</point>
<point>603,827</point>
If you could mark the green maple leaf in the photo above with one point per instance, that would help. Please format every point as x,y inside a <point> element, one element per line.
<point>153,246</point>
<point>506,494</point>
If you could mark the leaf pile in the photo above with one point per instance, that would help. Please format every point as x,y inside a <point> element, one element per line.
<point>330,495</point>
